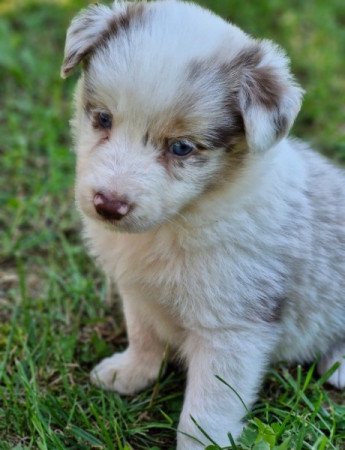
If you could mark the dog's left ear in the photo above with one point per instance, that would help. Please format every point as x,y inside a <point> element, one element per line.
<point>269,97</point>
<point>83,35</point>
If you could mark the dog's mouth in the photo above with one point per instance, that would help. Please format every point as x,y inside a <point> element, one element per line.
<point>131,223</point>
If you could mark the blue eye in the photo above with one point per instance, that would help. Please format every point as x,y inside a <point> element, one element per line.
<point>104,120</point>
<point>181,148</point>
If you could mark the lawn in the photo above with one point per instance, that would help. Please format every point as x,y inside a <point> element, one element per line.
<point>55,324</point>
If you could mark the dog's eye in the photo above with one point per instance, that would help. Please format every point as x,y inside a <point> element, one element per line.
<point>181,148</point>
<point>104,120</point>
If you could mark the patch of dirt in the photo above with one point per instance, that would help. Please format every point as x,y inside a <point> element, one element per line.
<point>107,330</point>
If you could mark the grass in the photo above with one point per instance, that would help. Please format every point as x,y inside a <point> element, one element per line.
<point>54,321</point>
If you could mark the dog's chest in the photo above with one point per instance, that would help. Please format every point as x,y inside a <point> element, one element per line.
<point>206,283</point>
<point>158,270</point>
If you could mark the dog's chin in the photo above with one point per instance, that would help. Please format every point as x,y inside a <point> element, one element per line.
<point>130,225</point>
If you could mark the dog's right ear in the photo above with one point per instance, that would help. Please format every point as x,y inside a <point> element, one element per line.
<point>86,30</point>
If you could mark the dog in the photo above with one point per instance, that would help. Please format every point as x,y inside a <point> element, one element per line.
<point>226,238</point>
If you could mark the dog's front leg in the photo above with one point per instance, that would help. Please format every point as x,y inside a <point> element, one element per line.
<point>239,358</point>
<point>138,366</point>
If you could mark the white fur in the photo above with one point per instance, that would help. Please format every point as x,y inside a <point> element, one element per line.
<point>202,268</point>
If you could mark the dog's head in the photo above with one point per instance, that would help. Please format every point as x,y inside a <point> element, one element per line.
<point>171,103</point>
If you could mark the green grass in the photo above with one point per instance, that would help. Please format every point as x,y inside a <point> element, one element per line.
<point>54,323</point>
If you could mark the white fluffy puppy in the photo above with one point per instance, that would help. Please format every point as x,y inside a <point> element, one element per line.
<point>225,238</point>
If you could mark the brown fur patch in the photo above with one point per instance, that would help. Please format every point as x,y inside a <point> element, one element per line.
<point>175,126</point>
<point>226,136</point>
<point>120,22</point>
<point>231,169</point>
<point>263,87</point>
<point>260,85</point>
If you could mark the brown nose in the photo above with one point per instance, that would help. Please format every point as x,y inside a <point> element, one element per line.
<point>111,207</point>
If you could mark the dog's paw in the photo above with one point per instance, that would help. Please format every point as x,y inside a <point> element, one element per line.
<point>124,373</point>
<point>337,379</point>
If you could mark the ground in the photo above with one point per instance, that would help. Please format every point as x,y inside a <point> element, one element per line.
<point>54,322</point>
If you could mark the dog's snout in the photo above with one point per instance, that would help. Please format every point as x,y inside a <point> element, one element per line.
<point>111,206</point>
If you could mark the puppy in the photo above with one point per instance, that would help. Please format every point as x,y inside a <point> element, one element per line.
<point>226,239</point>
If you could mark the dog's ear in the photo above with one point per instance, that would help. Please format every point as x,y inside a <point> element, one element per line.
<point>83,35</point>
<point>269,97</point>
